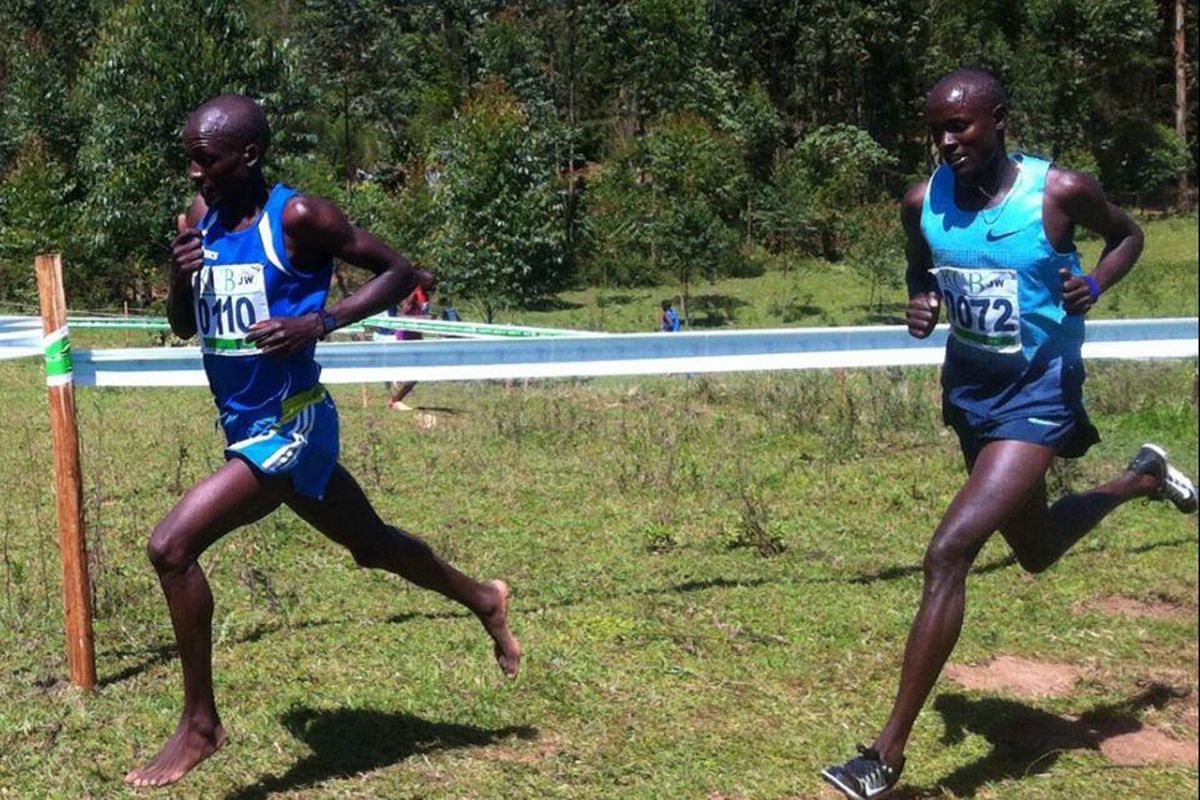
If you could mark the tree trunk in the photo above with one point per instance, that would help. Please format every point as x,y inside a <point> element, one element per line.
<point>346,137</point>
<point>1181,91</point>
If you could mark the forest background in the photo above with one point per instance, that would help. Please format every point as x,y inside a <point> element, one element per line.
<point>523,148</point>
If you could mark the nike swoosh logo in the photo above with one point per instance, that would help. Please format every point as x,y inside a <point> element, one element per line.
<point>995,237</point>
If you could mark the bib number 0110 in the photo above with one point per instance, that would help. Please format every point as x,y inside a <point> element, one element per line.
<point>230,299</point>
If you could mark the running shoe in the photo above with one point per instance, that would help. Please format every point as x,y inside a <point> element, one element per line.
<point>399,405</point>
<point>1173,485</point>
<point>863,777</point>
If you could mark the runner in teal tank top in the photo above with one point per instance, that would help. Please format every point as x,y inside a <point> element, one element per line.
<point>991,239</point>
<point>249,275</point>
<point>1013,365</point>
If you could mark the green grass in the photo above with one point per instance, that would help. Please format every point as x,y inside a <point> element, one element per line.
<point>714,577</point>
<point>669,653</point>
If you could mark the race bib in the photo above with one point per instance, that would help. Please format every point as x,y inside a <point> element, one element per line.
<point>983,307</point>
<point>230,298</point>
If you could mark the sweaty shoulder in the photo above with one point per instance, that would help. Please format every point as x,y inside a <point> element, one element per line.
<point>196,210</point>
<point>1072,192</point>
<point>315,228</point>
<point>307,211</point>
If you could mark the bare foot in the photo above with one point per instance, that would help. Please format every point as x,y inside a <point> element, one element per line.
<point>186,748</point>
<point>495,622</point>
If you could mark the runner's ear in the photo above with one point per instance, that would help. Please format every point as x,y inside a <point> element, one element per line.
<point>1000,116</point>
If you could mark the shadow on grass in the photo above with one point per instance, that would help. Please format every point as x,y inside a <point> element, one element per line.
<point>718,310</point>
<point>164,653</point>
<point>904,571</point>
<point>439,409</point>
<point>675,588</point>
<point>347,742</point>
<point>1028,741</point>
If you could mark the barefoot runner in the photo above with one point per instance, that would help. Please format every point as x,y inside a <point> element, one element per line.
<point>991,237</point>
<point>250,270</point>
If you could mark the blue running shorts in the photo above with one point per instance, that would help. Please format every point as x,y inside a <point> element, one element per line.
<point>1068,431</point>
<point>302,443</point>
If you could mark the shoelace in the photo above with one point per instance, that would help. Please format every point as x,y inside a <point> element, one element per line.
<point>869,768</point>
<point>1175,484</point>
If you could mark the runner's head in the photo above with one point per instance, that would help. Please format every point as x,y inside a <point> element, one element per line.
<point>967,114</point>
<point>226,138</point>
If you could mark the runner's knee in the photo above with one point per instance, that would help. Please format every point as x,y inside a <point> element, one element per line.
<point>1033,562</point>
<point>166,553</point>
<point>949,556</point>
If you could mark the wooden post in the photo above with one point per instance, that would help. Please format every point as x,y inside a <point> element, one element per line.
<point>68,488</point>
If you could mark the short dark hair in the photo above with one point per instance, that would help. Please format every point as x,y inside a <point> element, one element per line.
<point>980,81</point>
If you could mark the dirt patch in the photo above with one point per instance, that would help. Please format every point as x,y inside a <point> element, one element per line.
<point>1129,607</point>
<point>1022,677</point>
<point>1148,746</point>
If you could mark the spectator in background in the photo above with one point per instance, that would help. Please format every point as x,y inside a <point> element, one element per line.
<point>415,305</point>
<point>669,320</point>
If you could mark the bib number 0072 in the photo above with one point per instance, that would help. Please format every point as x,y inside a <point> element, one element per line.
<point>974,313</point>
<point>983,306</point>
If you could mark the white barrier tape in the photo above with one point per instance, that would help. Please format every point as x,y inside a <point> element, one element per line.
<point>20,337</point>
<point>626,354</point>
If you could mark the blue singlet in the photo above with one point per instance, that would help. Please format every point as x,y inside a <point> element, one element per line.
<point>273,410</point>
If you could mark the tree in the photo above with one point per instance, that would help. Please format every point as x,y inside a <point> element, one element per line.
<point>498,205</point>
<point>668,206</point>
<point>34,218</point>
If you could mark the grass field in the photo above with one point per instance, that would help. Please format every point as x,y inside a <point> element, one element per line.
<point>713,579</point>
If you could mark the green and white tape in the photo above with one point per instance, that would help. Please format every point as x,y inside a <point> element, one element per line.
<point>56,347</point>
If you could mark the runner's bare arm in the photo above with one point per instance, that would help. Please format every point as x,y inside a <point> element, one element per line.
<point>1076,198</point>
<point>187,256</point>
<point>315,230</point>
<point>923,303</point>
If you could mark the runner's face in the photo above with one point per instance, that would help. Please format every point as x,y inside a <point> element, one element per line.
<point>219,166</point>
<point>965,130</point>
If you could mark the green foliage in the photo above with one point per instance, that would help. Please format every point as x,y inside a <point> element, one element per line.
<point>830,173</point>
<point>1160,158</point>
<point>499,237</point>
<point>667,206</point>
<point>34,218</point>
<point>876,253</point>
<point>361,95</point>
<point>135,91</point>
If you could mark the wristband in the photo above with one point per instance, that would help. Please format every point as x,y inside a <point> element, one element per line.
<point>1093,286</point>
<point>328,323</point>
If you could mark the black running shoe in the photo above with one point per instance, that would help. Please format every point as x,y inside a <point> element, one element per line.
<point>1173,485</point>
<point>863,777</point>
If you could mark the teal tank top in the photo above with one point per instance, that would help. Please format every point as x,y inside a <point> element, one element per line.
<point>998,275</point>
